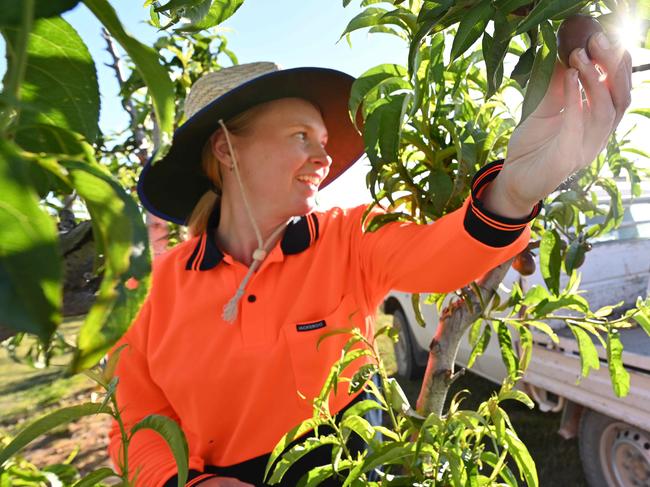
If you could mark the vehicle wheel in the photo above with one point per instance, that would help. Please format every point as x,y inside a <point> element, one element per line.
<point>613,453</point>
<point>407,367</point>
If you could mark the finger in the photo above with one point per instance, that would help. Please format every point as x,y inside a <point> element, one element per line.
<point>616,63</point>
<point>572,132</point>
<point>553,101</point>
<point>601,112</point>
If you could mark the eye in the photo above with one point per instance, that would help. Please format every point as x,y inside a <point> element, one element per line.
<point>302,136</point>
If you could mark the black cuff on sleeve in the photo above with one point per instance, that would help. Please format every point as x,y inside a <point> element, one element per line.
<point>192,474</point>
<point>487,227</point>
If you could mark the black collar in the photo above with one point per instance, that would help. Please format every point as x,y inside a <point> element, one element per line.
<point>300,234</point>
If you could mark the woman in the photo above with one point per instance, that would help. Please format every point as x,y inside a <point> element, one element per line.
<point>226,342</point>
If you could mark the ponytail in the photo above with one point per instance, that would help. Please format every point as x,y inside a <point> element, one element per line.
<point>198,222</point>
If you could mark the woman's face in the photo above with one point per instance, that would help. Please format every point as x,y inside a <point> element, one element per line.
<point>282,158</point>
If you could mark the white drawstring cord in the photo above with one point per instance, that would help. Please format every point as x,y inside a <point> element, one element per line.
<point>259,254</point>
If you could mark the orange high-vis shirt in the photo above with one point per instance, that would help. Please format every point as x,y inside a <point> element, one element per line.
<point>235,388</point>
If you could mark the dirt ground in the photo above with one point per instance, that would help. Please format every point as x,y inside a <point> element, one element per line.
<point>88,437</point>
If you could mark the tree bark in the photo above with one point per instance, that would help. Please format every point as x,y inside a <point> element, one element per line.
<point>454,321</point>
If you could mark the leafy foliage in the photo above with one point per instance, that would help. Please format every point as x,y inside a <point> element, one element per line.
<point>408,449</point>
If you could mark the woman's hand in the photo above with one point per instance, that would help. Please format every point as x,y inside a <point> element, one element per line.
<point>224,482</point>
<point>565,133</point>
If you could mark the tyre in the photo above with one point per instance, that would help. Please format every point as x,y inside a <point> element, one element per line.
<point>407,366</point>
<point>613,453</point>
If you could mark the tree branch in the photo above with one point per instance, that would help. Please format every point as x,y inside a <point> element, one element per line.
<point>138,131</point>
<point>454,321</point>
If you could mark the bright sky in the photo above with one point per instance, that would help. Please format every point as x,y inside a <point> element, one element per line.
<point>291,33</point>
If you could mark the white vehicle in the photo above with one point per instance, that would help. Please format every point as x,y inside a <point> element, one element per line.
<point>613,433</point>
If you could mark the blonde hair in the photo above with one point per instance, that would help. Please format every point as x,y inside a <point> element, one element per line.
<point>239,124</point>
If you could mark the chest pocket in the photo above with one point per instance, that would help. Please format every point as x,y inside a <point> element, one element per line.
<point>311,365</point>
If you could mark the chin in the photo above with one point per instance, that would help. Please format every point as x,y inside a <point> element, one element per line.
<point>304,207</point>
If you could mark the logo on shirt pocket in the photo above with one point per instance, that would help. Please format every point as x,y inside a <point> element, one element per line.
<point>311,326</point>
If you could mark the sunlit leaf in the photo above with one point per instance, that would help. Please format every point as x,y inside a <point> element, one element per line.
<point>30,265</point>
<point>588,353</point>
<point>173,436</point>
<point>471,27</point>
<point>542,71</point>
<point>59,88</point>
<point>620,377</point>
<point>120,230</point>
<point>550,260</point>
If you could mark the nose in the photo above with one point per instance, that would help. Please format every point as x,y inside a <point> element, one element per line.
<point>320,156</point>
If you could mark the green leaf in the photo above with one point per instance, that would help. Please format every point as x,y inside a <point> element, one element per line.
<point>550,261</point>
<point>524,461</point>
<point>173,435</point>
<point>523,68</point>
<point>507,350</point>
<point>542,71</point>
<point>545,10</point>
<point>430,15</point>
<point>12,10</point>
<point>574,301</point>
<point>360,426</point>
<point>361,408</point>
<point>388,454</point>
<point>368,18</point>
<point>620,377</point>
<point>390,125</point>
<point>361,376</point>
<point>319,474</point>
<point>525,348</point>
<point>440,189</point>
<point>120,230</point>
<point>481,345</point>
<point>615,213</point>
<point>417,311</point>
<point>398,400</point>
<point>516,395</point>
<point>544,328</point>
<point>588,353</point>
<point>575,256</point>
<point>219,12</point>
<point>47,423</point>
<point>369,80</point>
<point>496,53</point>
<point>642,318</point>
<point>287,439</point>
<point>59,88</point>
<point>161,88</point>
<point>471,27</point>
<point>30,265</point>
<point>94,478</point>
<point>296,453</point>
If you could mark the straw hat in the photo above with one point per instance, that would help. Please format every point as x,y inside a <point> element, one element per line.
<point>171,187</point>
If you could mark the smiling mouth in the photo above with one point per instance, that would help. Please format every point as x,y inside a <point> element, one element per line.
<point>311,180</point>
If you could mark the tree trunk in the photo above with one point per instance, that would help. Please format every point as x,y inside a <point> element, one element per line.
<point>454,321</point>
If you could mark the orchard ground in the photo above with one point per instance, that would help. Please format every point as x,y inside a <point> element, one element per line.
<point>27,393</point>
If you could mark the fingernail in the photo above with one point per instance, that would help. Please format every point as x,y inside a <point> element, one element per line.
<point>602,41</point>
<point>582,56</point>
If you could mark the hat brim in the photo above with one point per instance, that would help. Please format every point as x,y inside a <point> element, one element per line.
<point>171,187</point>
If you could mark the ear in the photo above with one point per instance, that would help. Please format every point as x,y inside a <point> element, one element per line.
<point>220,149</point>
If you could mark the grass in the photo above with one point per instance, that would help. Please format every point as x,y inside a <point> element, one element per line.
<point>27,392</point>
